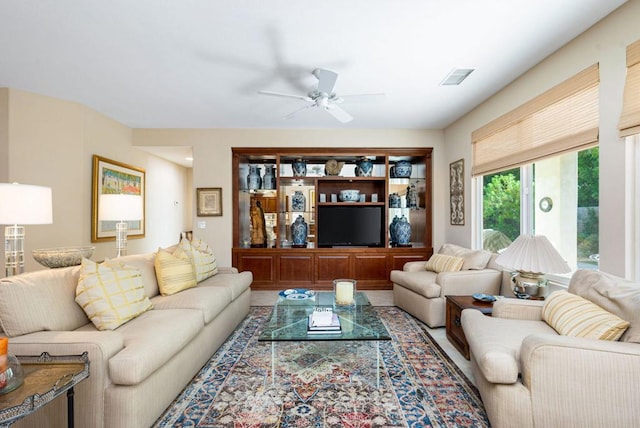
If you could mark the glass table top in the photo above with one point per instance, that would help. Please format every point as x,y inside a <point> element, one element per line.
<point>289,320</point>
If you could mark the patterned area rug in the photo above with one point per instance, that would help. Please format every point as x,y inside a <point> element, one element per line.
<point>329,384</point>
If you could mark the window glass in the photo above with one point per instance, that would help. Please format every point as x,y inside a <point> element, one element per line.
<point>561,196</point>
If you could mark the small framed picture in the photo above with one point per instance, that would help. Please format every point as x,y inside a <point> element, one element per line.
<point>209,201</point>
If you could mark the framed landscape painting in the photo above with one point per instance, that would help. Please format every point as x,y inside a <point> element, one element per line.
<point>112,177</point>
<point>456,191</point>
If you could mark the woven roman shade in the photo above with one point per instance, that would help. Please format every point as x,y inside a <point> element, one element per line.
<point>630,118</point>
<point>563,119</point>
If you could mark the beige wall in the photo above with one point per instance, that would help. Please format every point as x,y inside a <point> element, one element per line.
<point>51,142</point>
<point>605,43</point>
<point>212,162</point>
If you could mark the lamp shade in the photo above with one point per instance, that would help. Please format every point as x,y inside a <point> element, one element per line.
<point>25,204</point>
<point>529,253</point>
<point>120,207</point>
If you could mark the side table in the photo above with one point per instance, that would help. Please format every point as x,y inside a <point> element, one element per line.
<point>455,305</point>
<point>46,377</point>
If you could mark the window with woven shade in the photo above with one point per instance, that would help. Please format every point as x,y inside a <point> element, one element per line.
<point>562,119</point>
<point>630,118</point>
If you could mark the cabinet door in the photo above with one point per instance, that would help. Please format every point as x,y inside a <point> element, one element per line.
<point>332,266</point>
<point>370,268</point>
<point>263,267</point>
<point>295,269</point>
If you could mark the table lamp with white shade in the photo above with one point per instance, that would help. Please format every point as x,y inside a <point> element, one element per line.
<point>531,256</point>
<point>121,208</point>
<point>21,204</point>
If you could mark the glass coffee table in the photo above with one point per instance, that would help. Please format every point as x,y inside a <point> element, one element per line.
<point>289,319</point>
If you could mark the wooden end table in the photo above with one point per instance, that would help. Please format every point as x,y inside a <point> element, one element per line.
<point>45,378</point>
<point>455,305</point>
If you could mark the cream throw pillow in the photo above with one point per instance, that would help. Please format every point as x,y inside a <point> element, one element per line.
<point>174,273</point>
<point>473,259</point>
<point>201,256</point>
<point>572,315</point>
<point>442,263</point>
<point>110,294</point>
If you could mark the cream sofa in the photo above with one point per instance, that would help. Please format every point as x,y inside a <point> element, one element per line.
<point>422,292</point>
<point>530,376</point>
<point>137,369</point>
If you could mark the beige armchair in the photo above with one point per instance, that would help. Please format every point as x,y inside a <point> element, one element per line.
<point>530,376</point>
<point>422,292</point>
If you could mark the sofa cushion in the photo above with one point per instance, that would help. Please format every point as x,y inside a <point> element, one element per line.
<point>174,272</point>
<point>236,282</point>
<point>443,263</point>
<point>473,259</point>
<point>23,297</point>
<point>210,301</point>
<point>110,294</point>
<point>572,315</point>
<point>150,341</point>
<point>201,256</point>
<point>144,263</point>
<point>616,295</point>
<point>422,282</point>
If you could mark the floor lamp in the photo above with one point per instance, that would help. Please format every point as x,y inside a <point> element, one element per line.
<point>21,204</point>
<point>121,208</point>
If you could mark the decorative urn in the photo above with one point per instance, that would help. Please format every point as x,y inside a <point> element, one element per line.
<point>403,232</point>
<point>394,200</point>
<point>298,201</point>
<point>299,167</point>
<point>364,167</point>
<point>269,178</point>
<point>254,181</point>
<point>299,232</point>
<point>402,169</point>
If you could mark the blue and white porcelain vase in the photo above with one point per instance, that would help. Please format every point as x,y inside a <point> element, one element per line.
<point>394,200</point>
<point>392,230</point>
<point>299,232</point>
<point>269,178</point>
<point>298,201</point>
<point>412,197</point>
<point>364,167</point>
<point>254,181</point>
<point>402,169</point>
<point>299,167</point>
<point>403,232</point>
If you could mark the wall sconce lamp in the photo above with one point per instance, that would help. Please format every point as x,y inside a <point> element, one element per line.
<point>21,204</point>
<point>121,208</point>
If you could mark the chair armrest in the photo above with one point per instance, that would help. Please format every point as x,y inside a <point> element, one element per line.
<point>414,266</point>
<point>467,282</point>
<point>518,309</point>
<point>591,382</point>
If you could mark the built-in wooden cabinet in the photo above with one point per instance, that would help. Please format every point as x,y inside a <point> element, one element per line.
<point>280,265</point>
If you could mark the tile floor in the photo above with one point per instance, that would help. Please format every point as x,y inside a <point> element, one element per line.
<point>383,298</point>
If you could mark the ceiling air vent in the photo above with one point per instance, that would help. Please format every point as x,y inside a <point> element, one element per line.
<point>456,76</point>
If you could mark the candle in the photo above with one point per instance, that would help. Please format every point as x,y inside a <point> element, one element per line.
<point>344,293</point>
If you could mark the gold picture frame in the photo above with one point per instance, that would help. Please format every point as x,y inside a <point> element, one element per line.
<point>209,201</point>
<point>113,177</point>
<point>456,192</point>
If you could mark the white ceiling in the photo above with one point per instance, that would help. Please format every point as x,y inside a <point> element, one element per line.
<point>200,63</point>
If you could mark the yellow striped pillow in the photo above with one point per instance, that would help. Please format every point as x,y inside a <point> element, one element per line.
<point>174,273</point>
<point>110,294</point>
<point>201,256</point>
<point>443,263</point>
<point>572,315</point>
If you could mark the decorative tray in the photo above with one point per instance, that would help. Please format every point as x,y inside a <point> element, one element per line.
<point>483,297</point>
<point>297,294</point>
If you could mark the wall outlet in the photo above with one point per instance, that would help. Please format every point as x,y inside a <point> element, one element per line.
<point>202,224</point>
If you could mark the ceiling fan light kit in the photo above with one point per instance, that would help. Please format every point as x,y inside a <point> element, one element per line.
<point>323,96</point>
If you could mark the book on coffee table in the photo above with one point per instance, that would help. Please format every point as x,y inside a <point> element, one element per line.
<point>323,321</point>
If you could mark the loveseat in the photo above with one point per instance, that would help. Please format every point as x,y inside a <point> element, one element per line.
<point>138,368</point>
<point>547,363</point>
<point>420,288</point>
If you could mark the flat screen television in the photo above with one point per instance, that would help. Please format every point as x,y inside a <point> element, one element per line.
<point>353,226</point>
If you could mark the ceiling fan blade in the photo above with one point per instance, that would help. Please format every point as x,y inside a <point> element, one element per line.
<point>338,113</point>
<point>278,94</point>
<point>293,113</point>
<point>326,80</point>
<point>362,97</point>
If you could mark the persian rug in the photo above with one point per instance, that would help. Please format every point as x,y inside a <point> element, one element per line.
<point>329,384</point>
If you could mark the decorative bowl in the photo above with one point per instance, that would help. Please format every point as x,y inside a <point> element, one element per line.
<point>62,256</point>
<point>350,195</point>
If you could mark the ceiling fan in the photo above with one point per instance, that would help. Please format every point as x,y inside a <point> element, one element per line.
<point>323,96</point>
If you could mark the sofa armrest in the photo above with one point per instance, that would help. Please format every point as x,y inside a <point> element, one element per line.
<point>518,309</point>
<point>414,266</point>
<point>227,269</point>
<point>593,382</point>
<point>466,282</point>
